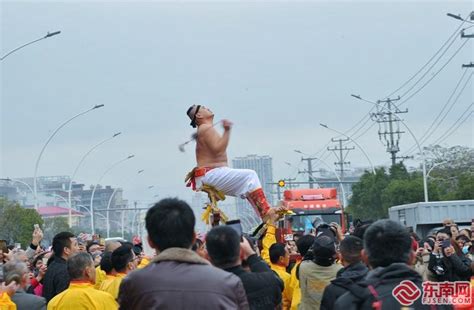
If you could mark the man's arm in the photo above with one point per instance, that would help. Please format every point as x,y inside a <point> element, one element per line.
<point>256,264</point>
<point>212,139</point>
<point>242,301</point>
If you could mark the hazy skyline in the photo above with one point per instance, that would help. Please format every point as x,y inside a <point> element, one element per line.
<point>276,69</point>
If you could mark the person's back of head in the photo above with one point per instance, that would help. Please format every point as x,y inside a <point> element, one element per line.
<point>16,271</point>
<point>106,262</point>
<point>360,229</point>
<point>62,244</point>
<point>122,258</point>
<point>111,245</point>
<point>387,242</point>
<point>351,250</point>
<point>324,251</point>
<point>81,267</point>
<point>279,255</point>
<point>223,246</point>
<point>170,223</point>
<point>304,245</point>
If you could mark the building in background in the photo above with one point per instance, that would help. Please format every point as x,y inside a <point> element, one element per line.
<point>262,165</point>
<point>53,195</point>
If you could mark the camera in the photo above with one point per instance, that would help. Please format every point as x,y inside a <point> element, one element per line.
<point>439,270</point>
<point>323,229</point>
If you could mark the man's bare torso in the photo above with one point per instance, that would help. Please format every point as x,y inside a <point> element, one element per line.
<point>206,155</point>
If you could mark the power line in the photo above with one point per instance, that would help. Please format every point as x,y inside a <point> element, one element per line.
<point>426,64</point>
<point>435,74</point>
<point>450,39</point>
<point>454,126</point>
<point>442,113</point>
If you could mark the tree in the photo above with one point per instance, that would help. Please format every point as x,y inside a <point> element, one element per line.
<point>453,174</point>
<point>366,201</point>
<point>17,223</point>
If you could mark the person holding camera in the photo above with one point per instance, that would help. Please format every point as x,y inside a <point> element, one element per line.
<point>445,263</point>
<point>316,274</point>
<point>228,251</point>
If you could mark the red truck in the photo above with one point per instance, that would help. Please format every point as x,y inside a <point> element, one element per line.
<point>310,205</point>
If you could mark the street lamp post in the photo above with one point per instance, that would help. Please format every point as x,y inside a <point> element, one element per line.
<point>108,207</point>
<point>95,187</point>
<point>48,35</point>
<point>361,148</point>
<point>46,144</point>
<point>422,153</point>
<point>434,166</point>
<point>80,163</point>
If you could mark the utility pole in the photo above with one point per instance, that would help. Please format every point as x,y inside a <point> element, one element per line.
<point>391,133</point>
<point>341,158</point>
<point>310,171</point>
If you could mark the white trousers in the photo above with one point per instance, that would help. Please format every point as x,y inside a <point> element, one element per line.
<point>232,182</point>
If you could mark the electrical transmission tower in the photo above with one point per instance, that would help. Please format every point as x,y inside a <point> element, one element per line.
<point>311,179</point>
<point>391,133</point>
<point>341,156</point>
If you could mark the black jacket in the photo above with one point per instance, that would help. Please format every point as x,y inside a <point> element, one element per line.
<point>56,278</point>
<point>383,280</point>
<point>452,268</point>
<point>262,285</point>
<point>345,278</point>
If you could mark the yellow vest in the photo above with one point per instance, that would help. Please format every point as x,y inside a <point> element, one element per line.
<point>145,261</point>
<point>100,276</point>
<point>111,284</point>
<point>6,303</point>
<point>285,277</point>
<point>295,288</point>
<point>82,295</point>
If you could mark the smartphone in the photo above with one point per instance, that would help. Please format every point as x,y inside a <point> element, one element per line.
<point>36,226</point>
<point>288,237</point>
<point>45,261</point>
<point>235,224</point>
<point>446,243</point>
<point>102,241</point>
<point>18,246</point>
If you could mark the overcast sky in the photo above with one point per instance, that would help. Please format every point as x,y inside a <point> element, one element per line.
<point>276,69</point>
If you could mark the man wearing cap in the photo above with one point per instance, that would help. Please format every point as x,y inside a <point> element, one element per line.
<point>212,167</point>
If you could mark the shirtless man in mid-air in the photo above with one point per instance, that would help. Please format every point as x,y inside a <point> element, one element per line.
<point>212,167</point>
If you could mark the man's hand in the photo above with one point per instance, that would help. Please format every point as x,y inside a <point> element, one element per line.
<point>449,251</point>
<point>227,124</point>
<point>337,231</point>
<point>246,249</point>
<point>10,289</point>
<point>8,256</point>
<point>41,273</point>
<point>37,236</point>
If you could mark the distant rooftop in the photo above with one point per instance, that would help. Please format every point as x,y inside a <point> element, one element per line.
<point>51,211</point>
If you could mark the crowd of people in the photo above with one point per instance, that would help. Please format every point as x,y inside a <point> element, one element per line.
<point>228,270</point>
